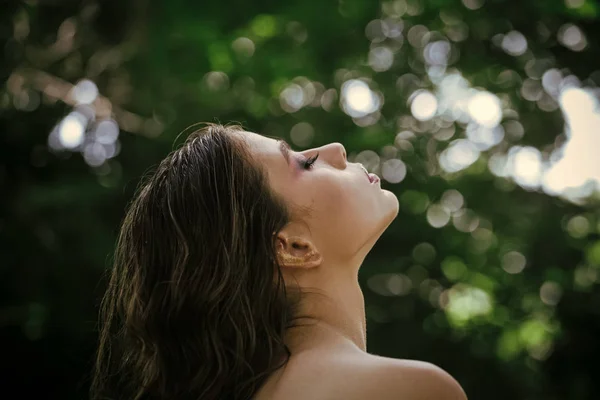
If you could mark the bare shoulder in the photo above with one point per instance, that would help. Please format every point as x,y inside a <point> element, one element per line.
<point>392,379</point>
<point>351,375</point>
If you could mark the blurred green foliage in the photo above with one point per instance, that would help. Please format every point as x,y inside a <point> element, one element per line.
<point>494,281</point>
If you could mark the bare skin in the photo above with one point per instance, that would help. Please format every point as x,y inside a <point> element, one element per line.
<point>343,373</point>
<point>322,252</point>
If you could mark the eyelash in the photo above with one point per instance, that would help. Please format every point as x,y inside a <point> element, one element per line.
<point>308,163</point>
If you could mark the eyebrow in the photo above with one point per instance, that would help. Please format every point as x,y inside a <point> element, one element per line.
<point>285,149</point>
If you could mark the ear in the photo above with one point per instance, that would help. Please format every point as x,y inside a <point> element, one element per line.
<point>296,252</point>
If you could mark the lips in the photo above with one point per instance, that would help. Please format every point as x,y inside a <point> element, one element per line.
<point>365,171</point>
<point>371,177</point>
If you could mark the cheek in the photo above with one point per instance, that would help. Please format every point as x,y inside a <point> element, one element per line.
<point>342,218</point>
<point>340,206</point>
<point>332,198</point>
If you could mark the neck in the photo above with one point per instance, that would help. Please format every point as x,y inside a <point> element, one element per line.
<point>337,318</point>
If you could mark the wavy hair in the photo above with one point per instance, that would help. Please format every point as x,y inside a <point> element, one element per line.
<point>196,306</point>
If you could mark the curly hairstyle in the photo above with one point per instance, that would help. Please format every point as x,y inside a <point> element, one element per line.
<point>196,306</point>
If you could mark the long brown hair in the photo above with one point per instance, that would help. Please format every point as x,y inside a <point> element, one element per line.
<point>195,305</point>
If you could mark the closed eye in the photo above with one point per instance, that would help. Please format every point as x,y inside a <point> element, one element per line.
<point>308,163</point>
<point>286,149</point>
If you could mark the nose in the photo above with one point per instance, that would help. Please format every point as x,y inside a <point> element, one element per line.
<point>335,154</point>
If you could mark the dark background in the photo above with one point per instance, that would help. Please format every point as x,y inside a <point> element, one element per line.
<point>454,293</point>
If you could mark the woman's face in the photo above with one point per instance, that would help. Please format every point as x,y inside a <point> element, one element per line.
<point>348,212</point>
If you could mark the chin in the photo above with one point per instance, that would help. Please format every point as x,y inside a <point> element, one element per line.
<point>394,204</point>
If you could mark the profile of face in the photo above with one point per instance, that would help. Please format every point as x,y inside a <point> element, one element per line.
<point>348,213</point>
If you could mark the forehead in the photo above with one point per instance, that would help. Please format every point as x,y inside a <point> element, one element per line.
<point>260,146</point>
<point>266,151</point>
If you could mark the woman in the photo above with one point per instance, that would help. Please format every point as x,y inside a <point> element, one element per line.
<point>235,277</point>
